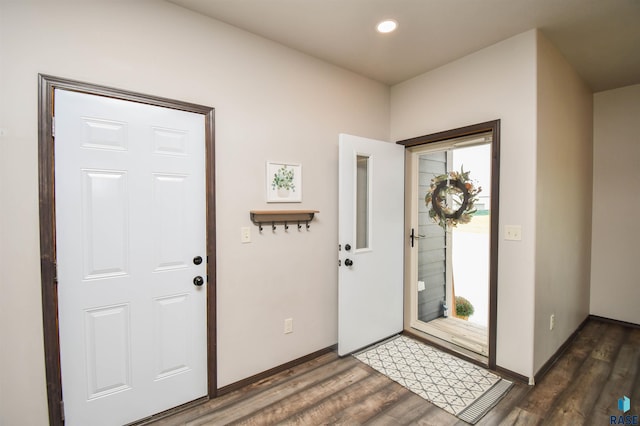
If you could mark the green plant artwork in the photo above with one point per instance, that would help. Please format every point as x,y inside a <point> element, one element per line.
<point>283,182</point>
<point>283,179</point>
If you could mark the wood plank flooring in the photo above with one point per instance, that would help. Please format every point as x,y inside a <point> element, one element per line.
<point>582,387</point>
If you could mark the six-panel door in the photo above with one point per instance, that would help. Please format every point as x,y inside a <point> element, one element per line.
<point>130,219</point>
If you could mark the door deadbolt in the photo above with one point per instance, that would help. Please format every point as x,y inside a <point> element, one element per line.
<point>197,260</point>
<point>347,247</point>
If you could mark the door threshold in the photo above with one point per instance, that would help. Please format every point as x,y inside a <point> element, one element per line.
<point>448,347</point>
<point>464,334</point>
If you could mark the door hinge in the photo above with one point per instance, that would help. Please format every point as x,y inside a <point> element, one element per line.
<point>53,127</point>
<point>62,411</point>
<point>55,273</point>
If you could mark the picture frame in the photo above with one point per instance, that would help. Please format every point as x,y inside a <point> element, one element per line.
<point>283,182</point>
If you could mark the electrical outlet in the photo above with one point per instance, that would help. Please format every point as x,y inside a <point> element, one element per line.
<point>245,234</point>
<point>552,321</point>
<point>288,325</point>
<point>513,232</point>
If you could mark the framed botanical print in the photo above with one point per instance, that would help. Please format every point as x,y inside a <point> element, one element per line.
<point>284,183</point>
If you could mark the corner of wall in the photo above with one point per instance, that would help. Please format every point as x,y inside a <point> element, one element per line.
<point>564,115</point>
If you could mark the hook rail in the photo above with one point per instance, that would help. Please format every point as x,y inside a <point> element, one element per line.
<point>282,216</point>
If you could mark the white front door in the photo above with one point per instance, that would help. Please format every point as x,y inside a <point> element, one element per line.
<point>130,223</point>
<point>371,225</point>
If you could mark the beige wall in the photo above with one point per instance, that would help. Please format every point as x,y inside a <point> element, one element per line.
<point>498,82</point>
<point>563,201</point>
<point>615,288</point>
<point>271,102</point>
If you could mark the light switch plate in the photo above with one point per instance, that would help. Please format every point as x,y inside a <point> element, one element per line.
<point>288,325</point>
<point>245,234</point>
<point>513,232</point>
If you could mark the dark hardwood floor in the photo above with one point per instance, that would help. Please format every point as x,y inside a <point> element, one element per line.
<point>582,387</point>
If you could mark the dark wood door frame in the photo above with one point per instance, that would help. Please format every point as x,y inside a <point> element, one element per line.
<point>46,165</point>
<point>494,128</point>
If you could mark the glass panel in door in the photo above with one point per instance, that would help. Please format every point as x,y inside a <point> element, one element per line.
<point>362,202</point>
<point>452,264</point>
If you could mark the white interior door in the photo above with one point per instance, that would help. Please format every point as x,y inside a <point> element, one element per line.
<point>130,219</point>
<point>371,225</point>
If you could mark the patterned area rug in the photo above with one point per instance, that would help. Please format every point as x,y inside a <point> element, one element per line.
<point>459,387</point>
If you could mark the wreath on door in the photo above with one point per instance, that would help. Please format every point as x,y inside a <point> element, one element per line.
<point>451,199</point>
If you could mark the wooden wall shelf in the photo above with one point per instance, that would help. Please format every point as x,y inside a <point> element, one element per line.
<point>285,217</point>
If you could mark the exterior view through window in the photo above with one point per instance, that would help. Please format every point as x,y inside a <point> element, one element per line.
<point>451,255</point>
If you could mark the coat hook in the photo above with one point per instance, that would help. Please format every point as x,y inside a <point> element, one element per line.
<point>260,227</point>
<point>299,226</point>
<point>273,226</point>
<point>286,226</point>
<point>308,226</point>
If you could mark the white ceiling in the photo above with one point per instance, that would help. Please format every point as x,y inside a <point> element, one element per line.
<point>601,38</point>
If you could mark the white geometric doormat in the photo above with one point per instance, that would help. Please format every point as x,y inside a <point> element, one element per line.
<point>459,387</point>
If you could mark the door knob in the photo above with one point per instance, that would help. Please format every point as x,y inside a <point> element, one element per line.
<point>348,262</point>
<point>197,260</point>
<point>198,281</point>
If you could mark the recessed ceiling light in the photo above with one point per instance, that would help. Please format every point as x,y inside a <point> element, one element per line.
<point>387,26</point>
